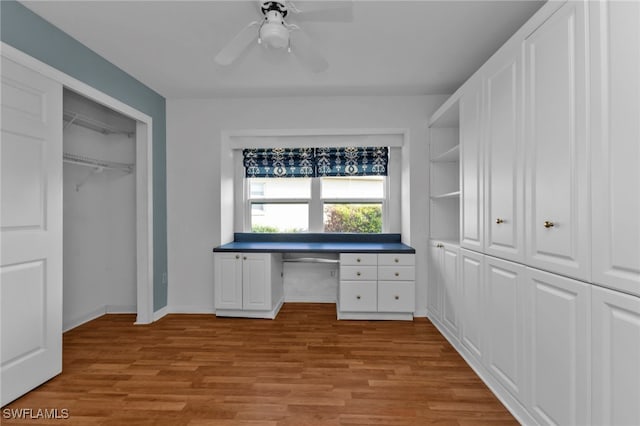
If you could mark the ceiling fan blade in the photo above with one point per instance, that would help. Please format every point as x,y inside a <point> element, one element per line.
<point>304,50</point>
<point>239,44</point>
<point>322,11</point>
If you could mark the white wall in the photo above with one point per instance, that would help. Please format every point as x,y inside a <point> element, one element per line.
<point>99,234</point>
<point>194,181</point>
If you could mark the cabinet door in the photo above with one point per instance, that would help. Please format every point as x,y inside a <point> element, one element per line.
<point>472,312</point>
<point>471,169</point>
<point>228,280</point>
<point>504,160</point>
<point>434,287</point>
<point>504,321</point>
<point>558,347</point>
<point>557,189</point>
<point>615,358</point>
<point>615,134</point>
<point>450,304</point>
<point>256,284</point>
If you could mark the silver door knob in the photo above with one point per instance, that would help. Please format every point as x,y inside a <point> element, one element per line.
<point>499,221</point>
<point>548,224</point>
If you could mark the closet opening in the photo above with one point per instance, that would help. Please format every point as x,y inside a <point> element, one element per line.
<point>99,211</point>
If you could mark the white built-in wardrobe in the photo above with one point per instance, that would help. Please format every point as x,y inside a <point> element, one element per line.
<point>99,216</point>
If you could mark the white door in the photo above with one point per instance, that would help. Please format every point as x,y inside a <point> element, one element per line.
<point>615,139</point>
<point>558,348</point>
<point>256,281</point>
<point>504,322</point>
<point>615,357</point>
<point>471,214</point>
<point>450,304</point>
<point>434,288</point>
<point>228,280</point>
<point>504,160</point>
<point>31,230</point>
<point>472,310</point>
<point>557,184</point>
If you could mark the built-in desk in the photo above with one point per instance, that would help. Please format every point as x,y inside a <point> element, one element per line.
<point>377,274</point>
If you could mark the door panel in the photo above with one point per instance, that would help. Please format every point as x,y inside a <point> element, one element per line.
<point>256,287</point>
<point>616,151</point>
<point>558,310</point>
<point>450,303</point>
<point>504,216</point>
<point>472,310</point>
<point>31,230</point>
<point>471,228</point>
<point>558,227</point>
<point>504,351</point>
<point>616,358</point>
<point>228,281</point>
<point>434,290</point>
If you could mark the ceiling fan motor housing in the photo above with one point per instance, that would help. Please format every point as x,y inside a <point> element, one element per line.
<point>278,6</point>
<point>273,31</point>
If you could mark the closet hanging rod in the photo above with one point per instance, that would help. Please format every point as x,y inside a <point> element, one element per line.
<point>72,117</point>
<point>96,163</point>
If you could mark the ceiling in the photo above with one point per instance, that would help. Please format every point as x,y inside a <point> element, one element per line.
<point>390,47</point>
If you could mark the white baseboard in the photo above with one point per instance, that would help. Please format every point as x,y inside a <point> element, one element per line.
<point>189,309</point>
<point>160,313</point>
<point>121,309</point>
<point>96,313</point>
<point>421,313</point>
<point>306,300</point>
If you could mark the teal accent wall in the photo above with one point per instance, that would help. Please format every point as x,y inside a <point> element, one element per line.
<point>26,31</point>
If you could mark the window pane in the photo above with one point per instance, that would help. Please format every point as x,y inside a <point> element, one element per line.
<point>355,187</point>
<point>279,188</point>
<point>359,218</point>
<point>279,217</point>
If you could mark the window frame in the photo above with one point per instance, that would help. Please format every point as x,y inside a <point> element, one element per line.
<point>392,210</point>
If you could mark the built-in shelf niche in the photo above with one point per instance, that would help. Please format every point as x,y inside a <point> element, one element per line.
<point>444,175</point>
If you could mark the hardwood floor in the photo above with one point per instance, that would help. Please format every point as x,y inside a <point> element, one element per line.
<point>304,368</point>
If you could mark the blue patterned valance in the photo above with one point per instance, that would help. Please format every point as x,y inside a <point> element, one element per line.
<point>312,162</point>
<point>352,161</point>
<point>279,162</point>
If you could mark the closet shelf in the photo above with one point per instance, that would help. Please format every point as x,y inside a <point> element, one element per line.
<point>449,156</point>
<point>449,195</point>
<point>71,117</point>
<point>96,163</point>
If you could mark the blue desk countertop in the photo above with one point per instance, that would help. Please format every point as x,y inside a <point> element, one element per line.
<point>316,243</point>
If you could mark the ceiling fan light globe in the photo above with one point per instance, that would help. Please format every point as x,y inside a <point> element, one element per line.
<point>275,35</point>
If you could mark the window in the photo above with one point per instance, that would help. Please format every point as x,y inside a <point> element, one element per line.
<point>355,190</point>
<point>323,204</point>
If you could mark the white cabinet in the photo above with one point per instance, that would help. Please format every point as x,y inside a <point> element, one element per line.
<point>504,159</point>
<point>504,324</point>
<point>555,123</point>
<point>248,284</point>
<point>376,286</point>
<point>615,136</point>
<point>558,348</point>
<point>472,312</point>
<point>443,285</point>
<point>471,179</point>
<point>615,358</point>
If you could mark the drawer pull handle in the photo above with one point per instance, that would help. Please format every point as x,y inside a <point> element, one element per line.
<point>358,260</point>
<point>499,221</point>
<point>358,297</point>
<point>396,260</point>
<point>397,274</point>
<point>397,297</point>
<point>548,224</point>
<point>358,273</point>
<point>237,256</point>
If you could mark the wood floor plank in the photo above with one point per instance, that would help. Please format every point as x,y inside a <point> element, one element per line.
<point>304,368</point>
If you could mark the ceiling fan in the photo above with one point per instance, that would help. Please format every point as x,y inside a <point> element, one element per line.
<point>273,31</point>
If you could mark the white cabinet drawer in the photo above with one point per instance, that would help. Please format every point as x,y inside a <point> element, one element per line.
<point>370,259</point>
<point>358,296</point>
<point>396,273</point>
<point>396,296</point>
<point>396,259</point>
<point>358,273</point>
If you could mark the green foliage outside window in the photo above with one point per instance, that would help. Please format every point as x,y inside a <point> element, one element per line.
<point>358,218</point>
